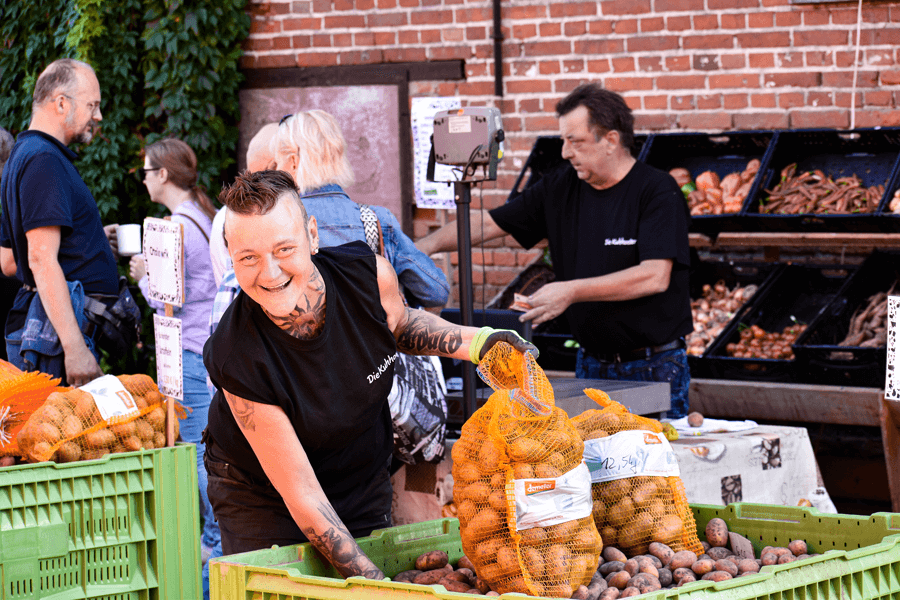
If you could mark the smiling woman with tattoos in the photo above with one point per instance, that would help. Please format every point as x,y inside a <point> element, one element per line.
<point>299,439</point>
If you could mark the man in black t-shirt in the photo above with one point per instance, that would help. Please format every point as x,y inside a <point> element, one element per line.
<point>618,236</point>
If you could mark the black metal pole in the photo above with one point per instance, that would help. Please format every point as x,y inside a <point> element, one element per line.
<point>498,51</point>
<point>463,193</point>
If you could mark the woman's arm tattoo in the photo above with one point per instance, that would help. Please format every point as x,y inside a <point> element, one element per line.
<point>340,548</point>
<point>423,336</point>
<point>243,411</point>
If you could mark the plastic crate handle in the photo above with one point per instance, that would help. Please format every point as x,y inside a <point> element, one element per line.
<point>43,541</point>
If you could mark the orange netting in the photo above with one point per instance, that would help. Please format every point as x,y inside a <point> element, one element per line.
<point>519,434</point>
<point>631,513</point>
<point>21,394</point>
<point>69,427</point>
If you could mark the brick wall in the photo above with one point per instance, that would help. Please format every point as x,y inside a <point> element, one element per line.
<point>681,65</point>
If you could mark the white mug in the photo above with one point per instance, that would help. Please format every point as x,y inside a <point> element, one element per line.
<point>129,237</point>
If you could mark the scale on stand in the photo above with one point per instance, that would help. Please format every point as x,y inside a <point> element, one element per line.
<point>468,138</point>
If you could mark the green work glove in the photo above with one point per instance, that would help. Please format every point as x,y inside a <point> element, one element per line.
<point>486,337</point>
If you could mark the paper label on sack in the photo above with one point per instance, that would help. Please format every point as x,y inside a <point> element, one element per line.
<point>630,454</point>
<point>111,397</point>
<point>552,500</point>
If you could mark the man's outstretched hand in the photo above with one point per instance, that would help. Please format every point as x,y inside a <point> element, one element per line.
<point>487,338</point>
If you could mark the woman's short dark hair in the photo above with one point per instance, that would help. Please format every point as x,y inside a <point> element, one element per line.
<point>257,193</point>
<point>607,111</point>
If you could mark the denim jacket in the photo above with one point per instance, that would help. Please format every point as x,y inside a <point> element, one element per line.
<point>339,222</point>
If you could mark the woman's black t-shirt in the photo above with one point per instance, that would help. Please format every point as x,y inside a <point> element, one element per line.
<point>333,388</point>
<point>596,232</point>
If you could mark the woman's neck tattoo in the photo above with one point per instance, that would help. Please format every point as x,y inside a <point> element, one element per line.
<point>306,322</point>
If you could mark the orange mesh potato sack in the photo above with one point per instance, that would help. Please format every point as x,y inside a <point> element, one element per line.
<point>77,425</point>
<point>521,488</point>
<point>638,496</point>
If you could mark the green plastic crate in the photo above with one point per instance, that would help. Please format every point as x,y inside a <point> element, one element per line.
<point>860,561</point>
<point>123,527</point>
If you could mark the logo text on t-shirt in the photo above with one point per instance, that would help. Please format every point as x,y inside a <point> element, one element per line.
<point>621,241</point>
<point>382,368</point>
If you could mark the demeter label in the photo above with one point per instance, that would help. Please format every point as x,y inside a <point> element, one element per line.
<point>545,502</point>
<point>533,487</point>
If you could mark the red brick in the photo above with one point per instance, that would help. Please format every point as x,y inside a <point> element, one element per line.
<point>678,63</point>
<point>680,82</point>
<point>661,6</point>
<point>573,28</point>
<point>890,77</point>
<point>597,47</point>
<point>653,122</point>
<point>303,23</point>
<point>600,65</point>
<point>885,118</point>
<point>768,100</point>
<point>628,84</point>
<point>521,68</point>
<point>564,86</point>
<point>257,44</point>
<point>879,37</point>
<point>764,40</point>
<point>602,27</point>
<point>317,59</point>
<point>409,3</point>
<point>790,60</point>
<point>683,103</point>
<point>633,102</point>
<point>362,57</point>
<point>277,61</point>
<point>385,38</point>
<point>550,29</point>
<point>526,258</point>
<point>530,105</point>
<point>702,22</point>
<point>364,4</point>
<point>364,38</point>
<point>842,99</point>
<point>572,9</point>
<point>387,19</point>
<point>301,41</point>
<point>321,40</point>
<point>476,88</point>
<point>876,14</point>
<point>733,21</point>
<point>653,43</point>
<point>758,20</point>
<point>476,70</point>
<point>342,40</point>
<point>622,64</point>
<point>652,24</point>
<point>732,61</point>
<point>385,4</point>
<point>504,259</point>
<point>816,58</point>
<point>449,52</point>
<point>395,55</point>
<point>843,16</point>
<point>734,101</point>
<point>733,81</point>
<point>541,123</point>
<point>705,121</point>
<point>756,121</point>
<point>528,86</point>
<point>549,67</point>
<point>344,21</point>
<point>626,7</point>
<point>678,23</point>
<point>706,62</point>
<point>281,43</point>
<point>625,26</point>
<point>820,118</point>
<point>342,4</point>
<point>473,15</point>
<point>844,59</point>
<point>514,12</point>
<point>321,6</point>
<point>656,102</point>
<point>650,63</point>
<point>761,61</point>
<point>791,100</point>
<point>260,26</point>
<point>430,36</point>
<point>709,101</point>
<point>787,19</point>
<point>865,79</point>
<point>575,65</point>
<point>818,99</point>
<point>692,42</point>
<point>880,58</point>
<point>797,79</point>
<point>820,37</point>
<point>453,34</point>
<point>817,16</point>
<point>548,48</point>
<point>431,17</point>
<point>731,4</point>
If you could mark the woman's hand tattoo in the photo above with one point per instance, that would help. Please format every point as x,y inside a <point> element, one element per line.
<point>339,547</point>
<point>423,336</point>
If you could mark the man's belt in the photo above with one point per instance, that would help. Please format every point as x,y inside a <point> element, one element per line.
<point>88,327</point>
<point>636,354</point>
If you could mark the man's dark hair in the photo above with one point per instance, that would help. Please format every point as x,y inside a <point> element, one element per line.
<point>257,193</point>
<point>59,76</point>
<point>607,111</point>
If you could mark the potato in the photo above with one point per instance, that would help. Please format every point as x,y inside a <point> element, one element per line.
<point>797,547</point>
<point>497,501</point>
<point>587,539</point>
<point>465,511</point>
<point>508,561</point>
<point>94,454</point>
<point>681,572</point>
<point>718,553</point>
<point>157,419</point>
<point>482,586</point>
<point>466,473</point>
<point>596,435</point>
<point>598,511</point>
<point>534,536</point>
<point>622,512</point>
<point>717,576</point>
<point>769,558</point>
<point>631,567</point>
<point>68,452</point>
<point>645,565</point>
<point>486,552</point>
<point>102,438</point>
<point>581,593</point>
<point>695,419</point>
<point>84,406</point>
<point>704,566</point>
<point>558,560</point>
<point>534,562</point>
<point>558,590</point>
<point>779,552</point>
<point>406,576</point>
<point>132,443</point>
<point>143,429</point>
<point>662,552</point>
<point>628,592</point>
<point>435,559</point>
<point>612,566</point>
<point>583,566</point>
<point>689,578</point>
<point>47,432</point>
<point>527,449</point>
<point>727,566</point>
<point>682,559</point>
<point>465,563</point>
<point>717,532</point>
<point>609,534</point>
<point>452,585</point>
<point>523,471</point>
<point>562,532</point>
<point>669,530</point>
<point>485,523</point>
<point>748,565</point>
<point>619,579</point>
<point>610,593</point>
<point>456,575</point>
<point>476,492</point>
<point>71,427</point>
<point>429,577</point>
<point>786,558</point>
<point>546,470</point>
<point>665,577</point>
<point>645,582</point>
<point>52,414</point>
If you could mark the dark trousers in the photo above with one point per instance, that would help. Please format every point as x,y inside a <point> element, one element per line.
<point>253,516</point>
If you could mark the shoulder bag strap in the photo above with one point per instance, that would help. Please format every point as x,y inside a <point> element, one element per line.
<point>194,221</point>
<point>372,227</point>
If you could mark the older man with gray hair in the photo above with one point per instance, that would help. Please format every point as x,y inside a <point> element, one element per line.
<point>52,225</point>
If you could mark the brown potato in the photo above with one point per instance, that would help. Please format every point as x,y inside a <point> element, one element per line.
<point>718,553</point>
<point>429,577</point>
<point>662,552</point>
<point>534,562</point>
<point>769,558</point>
<point>622,512</point>
<point>157,419</point>
<point>748,565</point>
<point>84,406</point>
<point>717,576</point>
<point>631,567</point>
<point>645,565</point>
<point>527,449</point>
<point>628,592</point>
<point>68,452</point>
<point>485,523</point>
<point>695,419</point>
<point>523,471</point>
<point>456,576</point>
<point>435,559</point>
<point>717,532</point>
<point>508,561</point>
<point>123,430</point>
<point>587,539</point>
<point>47,432</point>
<point>610,593</point>
<point>562,532</point>
<point>681,572</point>
<point>609,534</point>
<point>581,593</point>
<point>669,529</point>
<point>452,585</point>
<point>691,577</point>
<point>546,470</point>
<point>465,563</point>
<point>612,566</point>
<point>797,547</point>
<point>558,561</point>
<point>498,481</point>
<point>132,443</point>
<point>704,566</point>
<point>497,500</point>
<point>406,576</point>
<point>466,473</point>
<point>665,577</point>
<point>482,586</point>
<point>465,511</point>
<point>786,558</point>
<point>682,559</point>
<point>619,579</point>
<point>645,582</point>
<point>476,492</point>
<point>102,438</point>
<point>71,427</point>
<point>485,553</point>
<point>94,454</point>
<point>780,551</point>
<point>727,566</point>
<point>534,536</point>
<point>143,429</point>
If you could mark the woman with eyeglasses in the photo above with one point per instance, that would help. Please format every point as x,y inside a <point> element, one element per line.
<point>170,174</point>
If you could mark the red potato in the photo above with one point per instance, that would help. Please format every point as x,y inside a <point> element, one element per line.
<point>610,553</point>
<point>629,592</point>
<point>718,553</point>
<point>453,585</point>
<point>662,552</point>
<point>611,567</point>
<point>769,558</point>
<point>619,579</point>
<point>406,576</point>
<point>683,558</point>
<point>717,532</point>
<point>429,577</point>
<point>702,567</point>
<point>717,576</point>
<point>665,577</point>
<point>581,593</point>
<point>687,579</point>
<point>727,566</point>
<point>797,547</point>
<point>748,565</point>
<point>465,563</point>
<point>786,558</point>
<point>610,594</point>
